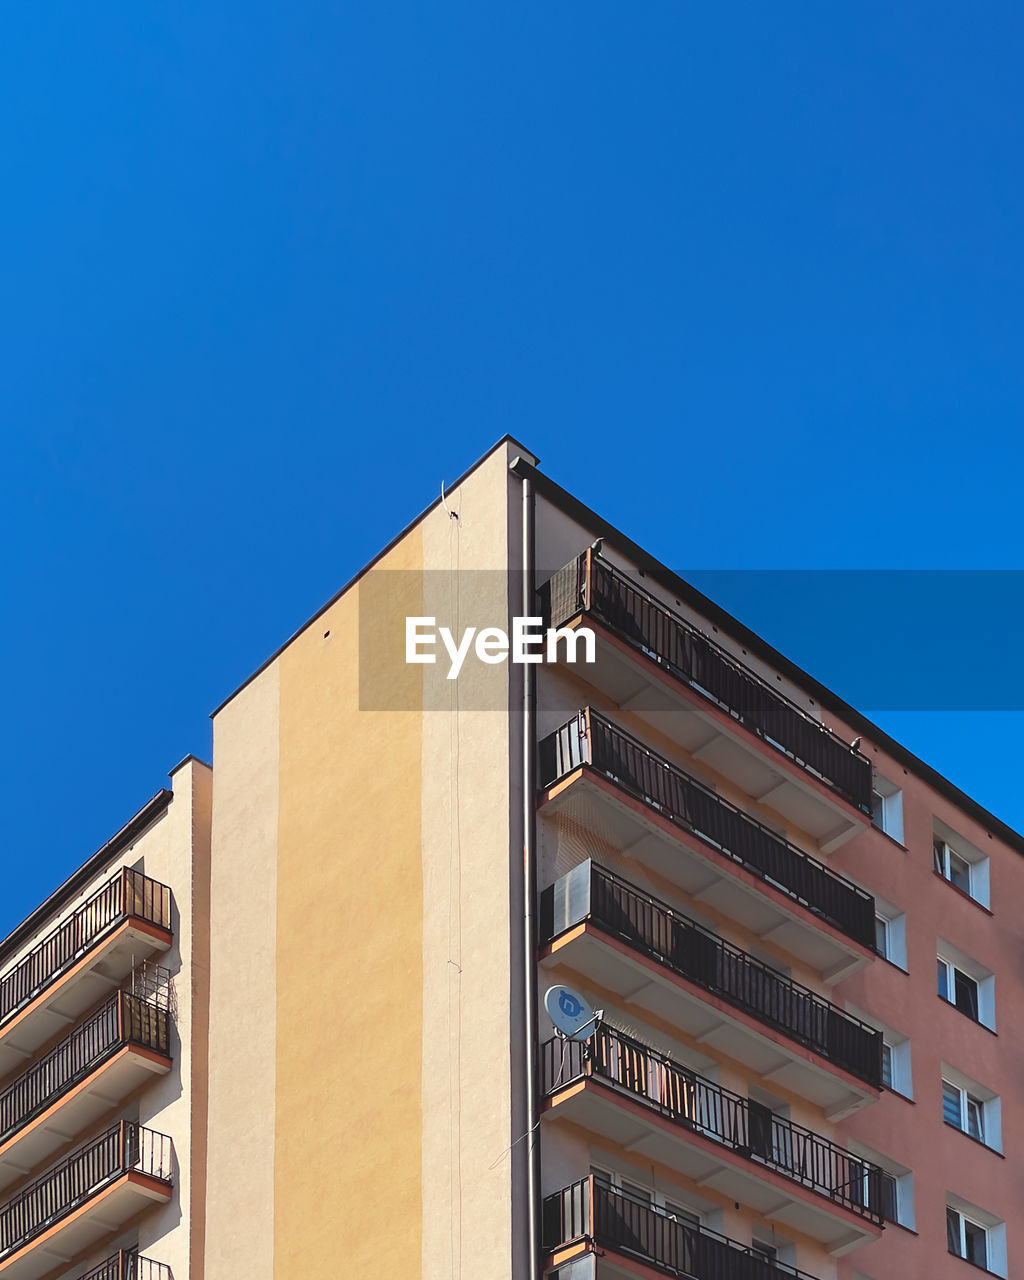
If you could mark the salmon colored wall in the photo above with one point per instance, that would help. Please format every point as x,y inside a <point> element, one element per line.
<point>913,1133</point>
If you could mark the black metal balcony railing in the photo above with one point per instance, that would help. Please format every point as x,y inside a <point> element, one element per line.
<point>592,894</point>
<point>127,894</point>
<point>123,1149</point>
<point>590,1211</point>
<point>124,1019</point>
<point>703,1107</point>
<point>590,585</point>
<point>590,739</point>
<point>127,1265</point>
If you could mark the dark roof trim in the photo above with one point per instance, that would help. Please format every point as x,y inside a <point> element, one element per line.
<point>71,887</point>
<point>506,439</point>
<point>679,587</point>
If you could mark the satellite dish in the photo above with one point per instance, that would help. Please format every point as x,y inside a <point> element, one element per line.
<point>570,1013</point>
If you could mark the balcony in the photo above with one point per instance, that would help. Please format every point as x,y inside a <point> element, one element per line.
<point>611,783</point>
<point>623,1090</point>
<point>646,953</point>
<point>94,1192</point>
<point>103,1061</point>
<point>127,1265</point>
<point>652,660</point>
<point>589,1217</point>
<point>89,954</point>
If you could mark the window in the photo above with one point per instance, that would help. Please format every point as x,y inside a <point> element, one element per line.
<point>689,1215</point>
<point>890,1197</point>
<point>961,863</point>
<point>958,988</point>
<point>876,1191</point>
<point>966,1239</point>
<point>887,807</point>
<point>778,1250</point>
<point>891,933</point>
<point>951,866</point>
<point>891,1193</point>
<point>966,984</point>
<point>971,1107</point>
<point>975,1235</point>
<point>963,1111</point>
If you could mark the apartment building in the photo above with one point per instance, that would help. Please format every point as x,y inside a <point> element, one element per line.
<point>289,1021</point>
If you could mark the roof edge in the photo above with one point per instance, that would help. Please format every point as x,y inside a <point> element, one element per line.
<point>117,843</point>
<point>505,439</point>
<point>671,581</point>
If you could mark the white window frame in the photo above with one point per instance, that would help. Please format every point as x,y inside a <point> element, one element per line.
<point>970,1111</point>
<point>895,933</point>
<point>956,961</point>
<point>993,1227</point>
<point>671,1205</point>
<point>887,814</point>
<point>947,845</point>
<point>970,1092</point>
<point>901,1176</point>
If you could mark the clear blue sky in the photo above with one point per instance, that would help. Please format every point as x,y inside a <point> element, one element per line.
<point>748,278</point>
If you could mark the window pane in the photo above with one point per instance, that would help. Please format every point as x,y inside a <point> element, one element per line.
<point>887,1065</point>
<point>966,994</point>
<point>975,1119</point>
<point>943,980</point>
<point>881,936</point>
<point>953,1232</point>
<point>974,1241</point>
<point>951,1105</point>
<point>878,810</point>
<point>959,872</point>
<point>890,1205</point>
<point>940,856</point>
<point>632,1192</point>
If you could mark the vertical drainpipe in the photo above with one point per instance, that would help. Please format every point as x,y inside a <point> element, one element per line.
<point>529,776</point>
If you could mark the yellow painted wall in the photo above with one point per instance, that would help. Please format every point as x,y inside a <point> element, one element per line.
<point>348,956</point>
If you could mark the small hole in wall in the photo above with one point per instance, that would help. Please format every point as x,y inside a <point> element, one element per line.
<point>326,634</point>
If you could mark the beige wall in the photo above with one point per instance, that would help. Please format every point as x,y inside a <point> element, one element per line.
<point>360,891</point>
<point>243,1010</point>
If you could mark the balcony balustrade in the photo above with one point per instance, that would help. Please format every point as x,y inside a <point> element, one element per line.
<point>593,897</point>
<point>76,1081</point>
<point>591,1215</point>
<point>126,921</point>
<point>706,1126</point>
<point>90,1194</point>
<point>757,718</point>
<point>590,741</point>
<point>126,1264</point>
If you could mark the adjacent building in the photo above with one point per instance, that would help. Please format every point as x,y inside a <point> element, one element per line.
<point>289,1021</point>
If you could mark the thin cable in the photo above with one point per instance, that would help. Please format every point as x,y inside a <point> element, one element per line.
<point>529,1132</point>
